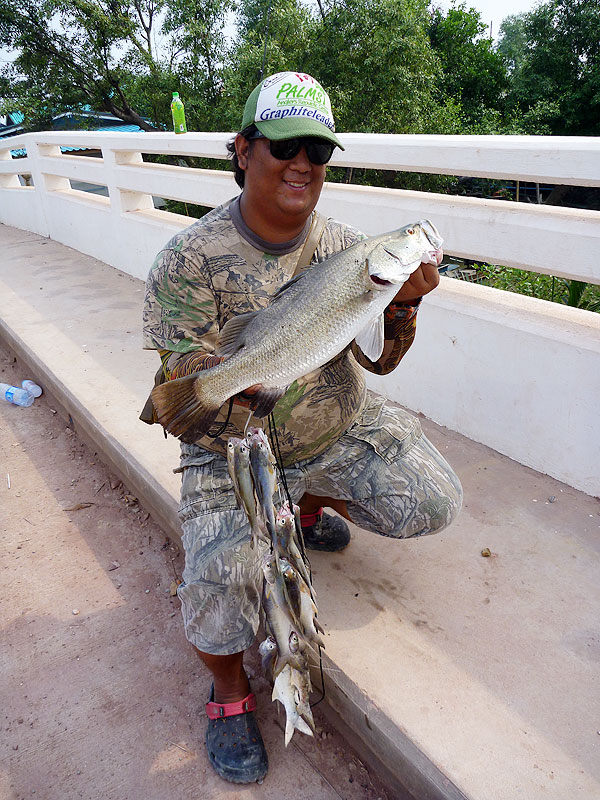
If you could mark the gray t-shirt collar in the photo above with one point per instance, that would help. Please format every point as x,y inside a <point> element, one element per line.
<point>273,248</point>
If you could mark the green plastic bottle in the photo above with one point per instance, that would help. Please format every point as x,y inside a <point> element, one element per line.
<point>178,113</point>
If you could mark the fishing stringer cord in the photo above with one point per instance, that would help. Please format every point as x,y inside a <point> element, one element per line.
<point>281,470</point>
<point>224,425</point>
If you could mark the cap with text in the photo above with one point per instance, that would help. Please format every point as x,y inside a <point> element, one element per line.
<point>290,104</point>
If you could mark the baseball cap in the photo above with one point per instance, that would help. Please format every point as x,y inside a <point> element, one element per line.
<point>290,104</point>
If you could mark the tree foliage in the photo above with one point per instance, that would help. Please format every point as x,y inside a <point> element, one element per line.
<point>396,66</point>
<point>472,71</point>
<point>76,53</point>
<point>377,58</point>
<point>553,54</point>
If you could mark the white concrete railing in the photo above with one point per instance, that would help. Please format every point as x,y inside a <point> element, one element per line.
<point>518,374</point>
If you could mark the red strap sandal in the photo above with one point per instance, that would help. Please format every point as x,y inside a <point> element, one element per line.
<point>235,747</point>
<point>218,710</point>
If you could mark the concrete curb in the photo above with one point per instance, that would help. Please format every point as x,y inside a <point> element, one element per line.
<point>399,763</point>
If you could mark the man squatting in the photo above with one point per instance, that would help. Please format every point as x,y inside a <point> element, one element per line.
<point>343,447</point>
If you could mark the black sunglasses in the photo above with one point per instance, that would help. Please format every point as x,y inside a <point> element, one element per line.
<point>319,151</point>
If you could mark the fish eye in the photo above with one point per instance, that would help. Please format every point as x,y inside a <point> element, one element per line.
<point>410,231</point>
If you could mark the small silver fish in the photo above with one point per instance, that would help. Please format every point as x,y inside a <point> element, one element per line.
<point>287,694</point>
<point>268,653</point>
<point>301,602</point>
<point>308,617</point>
<point>279,620</point>
<point>285,544</point>
<point>244,486</point>
<point>231,445</point>
<point>264,478</point>
<point>292,584</point>
<point>301,680</point>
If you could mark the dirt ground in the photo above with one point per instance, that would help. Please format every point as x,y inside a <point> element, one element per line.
<point>102,697</point>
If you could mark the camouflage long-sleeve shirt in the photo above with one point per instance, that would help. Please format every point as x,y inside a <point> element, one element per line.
<point>208,273</point>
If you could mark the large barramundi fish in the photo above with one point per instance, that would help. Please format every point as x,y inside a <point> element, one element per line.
<point>309,321</point>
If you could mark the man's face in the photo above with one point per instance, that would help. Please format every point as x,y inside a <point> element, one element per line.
<point>284,192</point>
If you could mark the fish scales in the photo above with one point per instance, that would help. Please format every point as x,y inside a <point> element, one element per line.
<point>304,324</point>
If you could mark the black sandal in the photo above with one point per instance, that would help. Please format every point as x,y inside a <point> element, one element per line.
<point>323,531</point>
<point>233,741</point>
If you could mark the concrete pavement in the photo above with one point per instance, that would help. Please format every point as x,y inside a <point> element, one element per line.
<point>466,676</point>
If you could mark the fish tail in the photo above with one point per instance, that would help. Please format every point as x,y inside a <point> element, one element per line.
<point>265,400</point>
<point>180,411</point>
<point>257,533</point>
<point>307,716</point>
<point>289,730</point>
<point>302,726</point>
<point>311,646</point>
<point>291,659</point>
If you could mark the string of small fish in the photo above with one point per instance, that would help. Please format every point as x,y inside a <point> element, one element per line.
<point>288,596</point>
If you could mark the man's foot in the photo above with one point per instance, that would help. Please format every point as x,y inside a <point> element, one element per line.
<point>323,532</point>
<point>233,741</point>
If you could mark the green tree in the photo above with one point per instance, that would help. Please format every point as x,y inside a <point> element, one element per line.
<point>512,43</point>
<point>270,37</point>
<point>199,48</point>
<point>473,73</point>
<point>376,60</point>
<point>554,57</point>
<point>77,53</point>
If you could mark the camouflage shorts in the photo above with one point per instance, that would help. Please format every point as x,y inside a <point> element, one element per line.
<point>394,481</point>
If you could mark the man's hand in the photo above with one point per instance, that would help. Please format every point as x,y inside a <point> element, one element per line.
<point>423,280</point>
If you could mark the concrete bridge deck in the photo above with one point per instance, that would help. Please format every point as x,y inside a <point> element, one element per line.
<point>465,676</point>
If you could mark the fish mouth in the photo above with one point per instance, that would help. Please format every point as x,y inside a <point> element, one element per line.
<point>380,281</point>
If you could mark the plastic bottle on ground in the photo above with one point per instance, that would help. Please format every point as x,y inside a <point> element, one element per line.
<point>178,114</point>
<point>15,395</point>
<point>31,387</point>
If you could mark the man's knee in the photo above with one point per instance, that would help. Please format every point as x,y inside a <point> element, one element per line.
<point>438,512</point>
<point>408,516</point>
<point>439,508</point>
